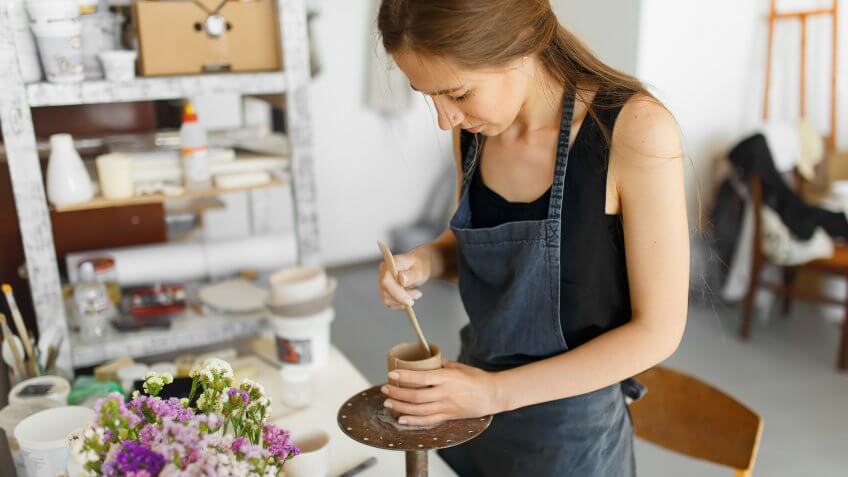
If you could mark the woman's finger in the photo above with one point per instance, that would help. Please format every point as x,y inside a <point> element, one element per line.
<point>415,396</point>
<point>395,290</point>
<point>410,409</point>
<point>431,420</point>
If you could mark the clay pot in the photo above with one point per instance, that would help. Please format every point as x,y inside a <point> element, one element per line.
<point>412,356</point>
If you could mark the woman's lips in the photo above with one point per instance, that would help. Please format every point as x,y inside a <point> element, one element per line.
<point>475,129</point>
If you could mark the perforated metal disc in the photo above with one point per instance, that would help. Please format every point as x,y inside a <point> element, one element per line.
<point>359,418</point>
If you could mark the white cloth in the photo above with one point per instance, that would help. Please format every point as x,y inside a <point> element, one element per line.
<point>812,149</point>
<point>784,144</point>
<point>780,247</point>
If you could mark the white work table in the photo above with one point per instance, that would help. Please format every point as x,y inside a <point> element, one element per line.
<point>332,386</point>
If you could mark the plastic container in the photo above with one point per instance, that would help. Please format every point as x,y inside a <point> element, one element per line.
<point>47,11</point>
<point>297,387</point>
<point>92,38</point>
<point>59,388</point>
<point>67,178</point>
<point>297,285</point>
<point>119,65</point>
<point>94,307</point>
<point>193,150</point>
<point>42,438</point>
<point>304,341</point>
<point>114,172</point>
<point>60,47</point>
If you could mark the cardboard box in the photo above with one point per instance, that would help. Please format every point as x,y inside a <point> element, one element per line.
<point>173,39</point>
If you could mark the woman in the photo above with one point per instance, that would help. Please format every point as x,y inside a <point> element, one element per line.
<point>570,241</point>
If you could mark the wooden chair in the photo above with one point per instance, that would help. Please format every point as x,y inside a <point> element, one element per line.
<point>836,265</point>
<point>686,415</point>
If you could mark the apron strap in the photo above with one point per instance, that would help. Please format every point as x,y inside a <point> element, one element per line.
<point>563,146</point>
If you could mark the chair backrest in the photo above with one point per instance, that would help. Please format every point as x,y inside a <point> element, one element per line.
<point>686,415</point>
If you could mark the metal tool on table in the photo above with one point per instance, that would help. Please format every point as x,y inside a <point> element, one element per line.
<point>362,418</point>
<point>390,263</point>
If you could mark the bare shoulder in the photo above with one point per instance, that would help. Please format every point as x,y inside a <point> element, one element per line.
<point>645,132</point>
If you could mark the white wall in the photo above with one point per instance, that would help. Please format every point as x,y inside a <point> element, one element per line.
<point>373,173</point>
<point>609,27</point>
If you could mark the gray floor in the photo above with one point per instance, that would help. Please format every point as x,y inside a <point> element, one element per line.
<point>786,372</point>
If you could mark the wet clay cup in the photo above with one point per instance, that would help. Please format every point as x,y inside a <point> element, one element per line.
<point>412,356</point>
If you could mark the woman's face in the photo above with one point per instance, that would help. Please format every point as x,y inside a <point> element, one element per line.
<point>481,100</point>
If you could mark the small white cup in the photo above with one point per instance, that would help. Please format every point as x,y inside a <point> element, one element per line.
<point>119,65</point>
<point>129,374</point>
<point>42,438</point>
<point>115,174</point>
<point>314,458</point>
<point>297,285</point>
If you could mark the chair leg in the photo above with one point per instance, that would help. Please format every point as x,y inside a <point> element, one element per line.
<point>789,284</point>
<point>748,302</point>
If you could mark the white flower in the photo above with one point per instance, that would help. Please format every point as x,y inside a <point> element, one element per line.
<point>218,366</point>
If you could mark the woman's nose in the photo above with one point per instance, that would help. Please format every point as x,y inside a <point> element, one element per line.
<point>449,115</point>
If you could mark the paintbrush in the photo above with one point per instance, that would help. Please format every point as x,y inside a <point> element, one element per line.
<point>13,347</point>
<point>22,331</point>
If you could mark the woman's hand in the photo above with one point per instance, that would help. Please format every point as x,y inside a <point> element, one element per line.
<point>456,391</point>
<point>413,271</point>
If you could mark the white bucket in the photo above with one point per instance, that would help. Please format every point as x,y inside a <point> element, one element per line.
<point>59,45</point>
<point>58,391</point>
<point>304,341</point>
<point>42,438</point>
<point>44,11</point>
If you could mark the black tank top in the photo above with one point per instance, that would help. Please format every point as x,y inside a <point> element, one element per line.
<point>594,292</point>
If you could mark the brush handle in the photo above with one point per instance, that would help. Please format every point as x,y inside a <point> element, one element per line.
<point>22,331</point>
<point>13,348</point>
<point>390,263</point>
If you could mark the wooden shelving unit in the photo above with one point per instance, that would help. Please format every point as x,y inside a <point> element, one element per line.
<point>100,202</point>
<point>16,101</point>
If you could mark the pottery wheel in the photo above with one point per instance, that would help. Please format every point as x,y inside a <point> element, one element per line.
<point>359,418</point>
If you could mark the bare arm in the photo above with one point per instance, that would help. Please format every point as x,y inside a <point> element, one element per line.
<point>648,172</point>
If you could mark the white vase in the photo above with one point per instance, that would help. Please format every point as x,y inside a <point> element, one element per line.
<point>67,178</point>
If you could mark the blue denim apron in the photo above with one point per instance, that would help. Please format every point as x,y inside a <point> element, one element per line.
<point>509,279</point>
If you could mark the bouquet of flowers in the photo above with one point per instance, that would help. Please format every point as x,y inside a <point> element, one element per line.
<point>150,436</point>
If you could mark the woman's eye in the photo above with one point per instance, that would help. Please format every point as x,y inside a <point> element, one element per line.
<point>464,97</point>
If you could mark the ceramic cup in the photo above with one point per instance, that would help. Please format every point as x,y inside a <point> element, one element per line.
<point>314,458</point>
<point>412,356</point>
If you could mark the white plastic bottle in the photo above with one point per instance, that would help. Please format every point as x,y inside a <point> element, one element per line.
<point>94,308</point>
<point>193,151</point>
<point>68,181</point>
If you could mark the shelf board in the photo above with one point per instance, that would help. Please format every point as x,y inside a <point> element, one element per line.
<point>102,203</point>
<point>154,88</point>
<point>188,331</point>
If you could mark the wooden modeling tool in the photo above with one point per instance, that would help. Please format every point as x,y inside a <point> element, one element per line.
<point>390,262</point>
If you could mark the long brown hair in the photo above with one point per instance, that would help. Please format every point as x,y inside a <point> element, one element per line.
<point>485,33</point>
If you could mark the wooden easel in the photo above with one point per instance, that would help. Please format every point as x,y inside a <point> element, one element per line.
<point>802,16</point>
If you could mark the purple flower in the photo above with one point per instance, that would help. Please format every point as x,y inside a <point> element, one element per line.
<point>235,392</point>
<point>278,442</point>
<point>134,458</point>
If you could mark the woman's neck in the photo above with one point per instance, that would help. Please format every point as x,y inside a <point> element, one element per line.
<point>541,110</point>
